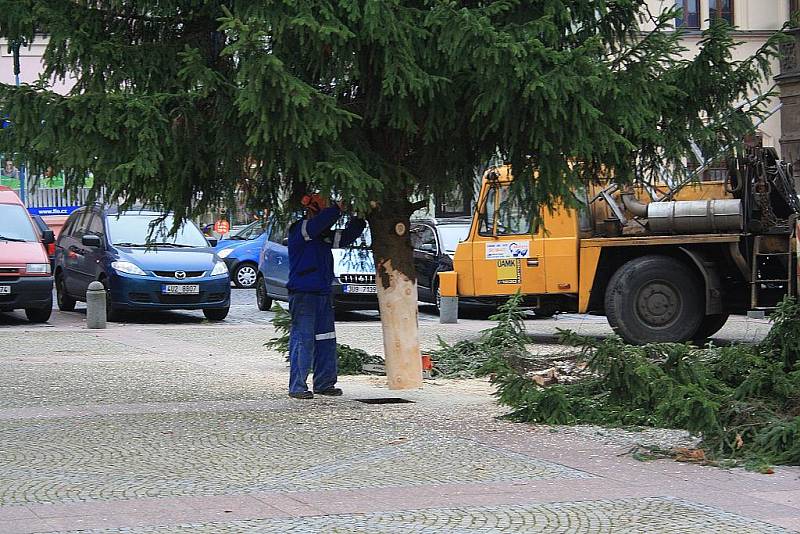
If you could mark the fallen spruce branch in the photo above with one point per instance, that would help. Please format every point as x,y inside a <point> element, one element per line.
<point>743,400</point>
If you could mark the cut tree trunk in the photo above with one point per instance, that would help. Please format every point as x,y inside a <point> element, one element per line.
<point>397,296</point>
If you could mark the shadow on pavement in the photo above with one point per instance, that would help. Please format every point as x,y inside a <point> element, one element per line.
<point>15,318</point>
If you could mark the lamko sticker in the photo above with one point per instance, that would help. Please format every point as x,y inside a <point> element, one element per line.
<point>504,250</point>
<point>509,272</point>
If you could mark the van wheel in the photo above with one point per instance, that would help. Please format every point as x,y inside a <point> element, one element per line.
<point>262,300</point>
<point>710,325</point>
<point>65,302</point>
<point>39,315</point>
<point>654,299</point>
<point>216,314</point>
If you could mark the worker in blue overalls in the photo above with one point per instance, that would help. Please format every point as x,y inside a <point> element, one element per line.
<point>312,338</point>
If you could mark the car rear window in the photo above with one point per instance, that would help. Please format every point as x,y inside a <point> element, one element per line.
<point>16,225</point>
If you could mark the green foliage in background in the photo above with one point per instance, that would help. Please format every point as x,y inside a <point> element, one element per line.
<point>743,400</point>
<point>351,360</point>
<point>181,102</point>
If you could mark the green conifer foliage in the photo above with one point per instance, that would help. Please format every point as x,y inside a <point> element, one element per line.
<point>177,101</point>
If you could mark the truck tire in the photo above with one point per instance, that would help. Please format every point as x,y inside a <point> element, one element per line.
<point>710,325</point>
<point>655,299</point>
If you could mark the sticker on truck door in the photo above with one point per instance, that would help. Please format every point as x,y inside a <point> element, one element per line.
<point>505,250</point>
<point>509,272</point>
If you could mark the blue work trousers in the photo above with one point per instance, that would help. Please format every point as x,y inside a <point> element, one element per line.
<point>312,342</point>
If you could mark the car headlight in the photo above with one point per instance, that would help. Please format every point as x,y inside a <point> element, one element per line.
<point>225,252</point>
<point>219,269</point>
<point>38,268</point>
<point>127,268</point>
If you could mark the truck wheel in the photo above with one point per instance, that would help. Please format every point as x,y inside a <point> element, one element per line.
<point>65,302</point>
<point>262,300</point>
<point>38,315</point>
<point>710,325</point>
<point>654,299</point>
<point>545,312</point>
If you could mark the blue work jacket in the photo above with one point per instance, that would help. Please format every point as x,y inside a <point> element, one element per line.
<point>310,244</point>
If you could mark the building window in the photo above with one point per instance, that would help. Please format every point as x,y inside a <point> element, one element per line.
<point>691,14</point>
<point>722,9</point>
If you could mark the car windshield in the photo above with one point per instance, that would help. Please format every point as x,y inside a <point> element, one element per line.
<point>363,241</point>
<point>451,235</point>
<point>153,230</point>
<point>16,225</point>
<point>251,231</point>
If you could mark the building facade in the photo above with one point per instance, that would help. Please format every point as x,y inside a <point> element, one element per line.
<point>30,63</point>
<point>755,22</point>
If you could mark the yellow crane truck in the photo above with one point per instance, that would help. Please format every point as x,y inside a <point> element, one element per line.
<point>663,264</point>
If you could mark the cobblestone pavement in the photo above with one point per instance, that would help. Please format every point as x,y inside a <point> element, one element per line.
<point>168,423</point>
<point>651,515</point>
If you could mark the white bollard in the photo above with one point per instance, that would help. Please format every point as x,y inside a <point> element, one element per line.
<point>448,310</point>
<point>96,305</point>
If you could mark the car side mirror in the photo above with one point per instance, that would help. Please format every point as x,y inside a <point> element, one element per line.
<point>285,242</point>
<point>91,240</point>
<point>48,237</point>
<point>212,241</point>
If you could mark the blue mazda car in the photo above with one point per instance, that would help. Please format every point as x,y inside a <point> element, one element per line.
<point>141,265</point>
<point>241,251</point>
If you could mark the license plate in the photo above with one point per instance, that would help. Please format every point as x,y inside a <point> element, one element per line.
<point>350,288</point>
<point>180,289</point>
<point>5,290</point>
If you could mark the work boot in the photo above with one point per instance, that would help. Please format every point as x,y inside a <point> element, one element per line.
<point>302,395</point>
<point>330,392</point>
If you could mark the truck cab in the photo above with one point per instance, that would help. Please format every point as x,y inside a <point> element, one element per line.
<point>508,250</point>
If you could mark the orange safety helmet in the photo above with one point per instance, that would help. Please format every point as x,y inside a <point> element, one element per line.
<point>314,202</point>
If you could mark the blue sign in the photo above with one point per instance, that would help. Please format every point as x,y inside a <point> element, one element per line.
<point>52,210</point>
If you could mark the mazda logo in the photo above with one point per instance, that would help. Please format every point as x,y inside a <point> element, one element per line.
<point>180,275</point>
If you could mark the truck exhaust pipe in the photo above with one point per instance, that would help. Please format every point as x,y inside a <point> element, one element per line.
<point>634,205</point>
<point>688,216</point>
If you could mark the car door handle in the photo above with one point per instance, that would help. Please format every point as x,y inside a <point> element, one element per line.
<point>533,262</point>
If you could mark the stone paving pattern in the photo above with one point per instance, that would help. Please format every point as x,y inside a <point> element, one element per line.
<point>652,515</point>
<point>153,427</point>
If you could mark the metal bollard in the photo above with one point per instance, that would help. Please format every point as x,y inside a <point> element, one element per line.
<point>448,310</point>
<point>96,306</point>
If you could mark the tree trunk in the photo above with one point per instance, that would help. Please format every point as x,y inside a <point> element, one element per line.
<point>397,294</point>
